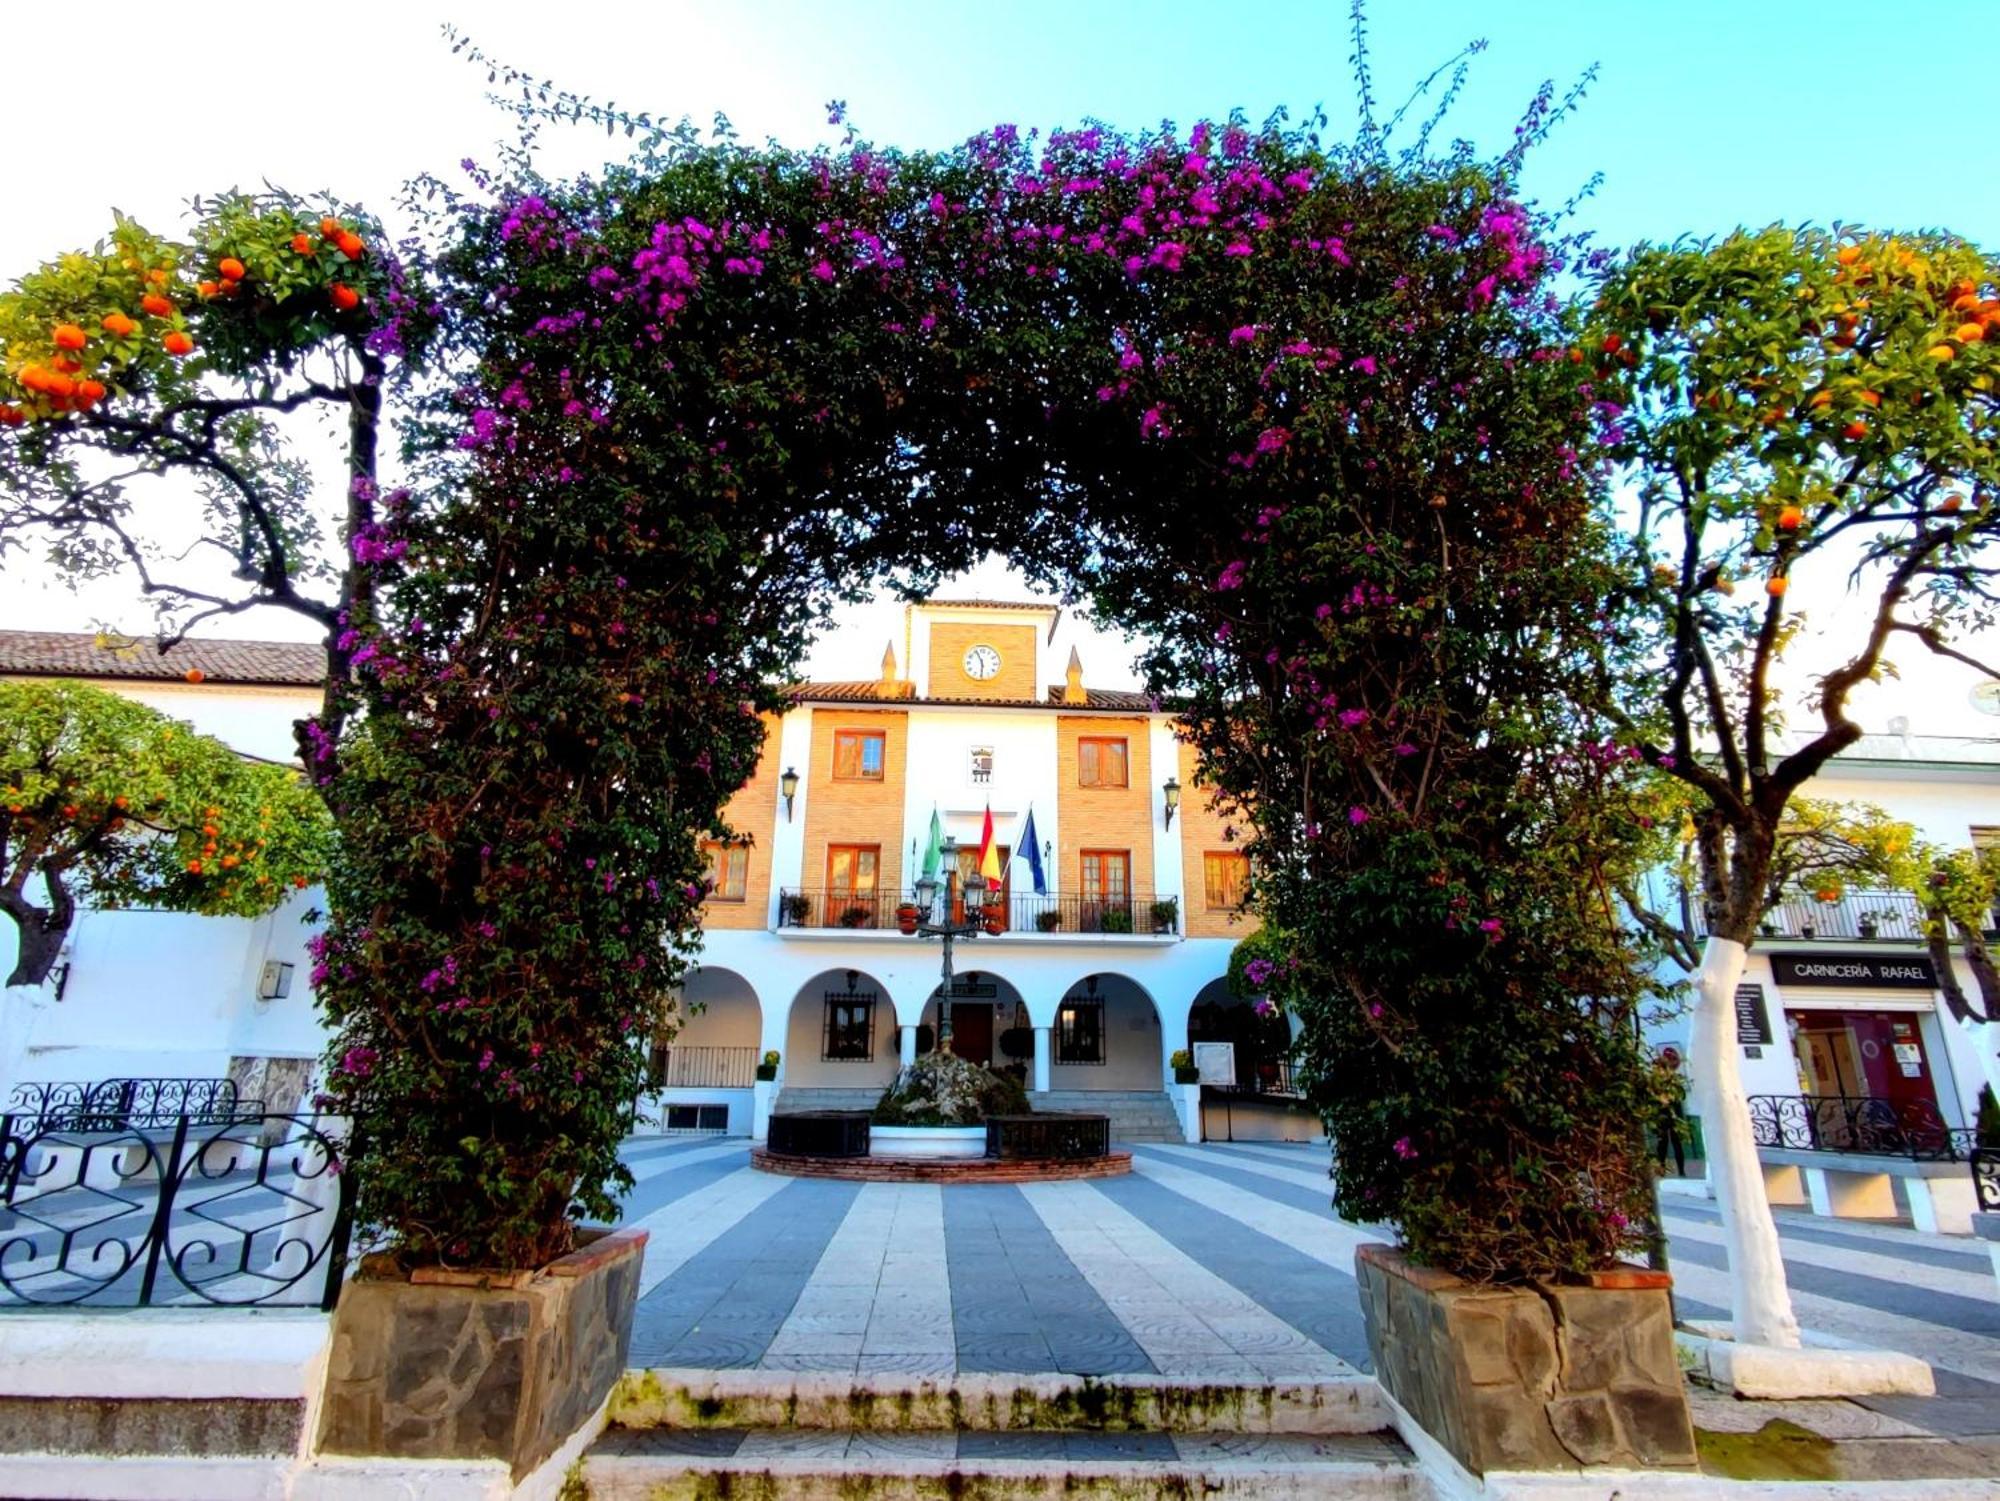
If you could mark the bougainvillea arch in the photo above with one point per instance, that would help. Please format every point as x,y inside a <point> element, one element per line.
<point>1302,413</point>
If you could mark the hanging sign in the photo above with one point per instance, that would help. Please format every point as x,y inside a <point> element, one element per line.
<point>1860,971</point>
<point>1753,1022</point>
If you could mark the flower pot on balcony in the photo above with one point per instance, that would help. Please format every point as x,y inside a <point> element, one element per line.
<point>1165,915</point>
<point>1547,1377</point>
<point>1048,922</point>
<point>906,919</point>
<point>796,909</point>
<point>995,923</point>
<point>855,917</point>
<point>766,1072</point>
<point>1187,1076</point>
<point>489,1366</point>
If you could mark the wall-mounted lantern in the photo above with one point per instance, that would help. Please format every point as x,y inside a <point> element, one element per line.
<point>1171,789</point>
<point>788,784</point>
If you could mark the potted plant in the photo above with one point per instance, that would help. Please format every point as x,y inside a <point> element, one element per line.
<point>1166,914</point>
<point>994,920</point>
<point>1115,920</point>
<point>1016,1042</point>
<point>796,908</point>
<point>767,1069</point>
<point>1184,1070</point>
<point>907,917</point>
<point>1871,923</point>
<point>855,916</point>
<point>1808,929</point>
<point>1049,921</point>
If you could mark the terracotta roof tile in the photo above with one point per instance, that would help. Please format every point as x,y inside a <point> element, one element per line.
<point>84,654</point>
<point>862,693</point>
<point>1040,606</point>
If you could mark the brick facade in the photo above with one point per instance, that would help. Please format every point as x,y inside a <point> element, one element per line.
<point>855,812</point>
<point>1201,830</point>
<point>951,639</point>
<point>749,814</point>
<point>1105,818</point>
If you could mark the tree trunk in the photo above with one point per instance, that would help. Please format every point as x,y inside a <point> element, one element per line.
<point>40,932</point>
<point>1762,1303</point>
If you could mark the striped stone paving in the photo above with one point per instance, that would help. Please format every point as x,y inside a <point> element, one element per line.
<point>1222,1262</point>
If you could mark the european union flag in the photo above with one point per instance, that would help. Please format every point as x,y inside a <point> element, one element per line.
<point>1034,852</point>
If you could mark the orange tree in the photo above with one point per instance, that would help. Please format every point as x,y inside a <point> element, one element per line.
<point>147,358</point>
<point>1299,410</point>
<point>108,801</point>
<point>1788,400</point>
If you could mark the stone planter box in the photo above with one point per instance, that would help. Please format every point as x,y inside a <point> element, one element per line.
<point>446,1364</point>
<point>1540,1377</point>
<point>927,1141</point>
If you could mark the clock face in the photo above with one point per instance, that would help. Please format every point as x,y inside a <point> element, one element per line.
<point>1986,697</point>
<point>982,663</point>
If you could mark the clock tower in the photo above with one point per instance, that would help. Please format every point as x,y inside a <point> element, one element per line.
<point>980,650</point>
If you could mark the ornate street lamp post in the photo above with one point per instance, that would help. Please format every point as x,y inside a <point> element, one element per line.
<point>936,902</point>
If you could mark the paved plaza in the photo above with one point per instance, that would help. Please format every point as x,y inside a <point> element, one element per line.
<point>1222,1262</point>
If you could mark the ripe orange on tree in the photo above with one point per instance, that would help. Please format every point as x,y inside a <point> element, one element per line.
<point>157,305</point>
<point>1847,255</point>
<point>69,336</point>
<point>90,392</point>
<point>349,243</point>
<point>1855,430</point>
<point>329,227</point>
<point>1970,333</point>
<point>12,416</point>
<point>344,297</point>
<point>1776,587</point>
<point>1950,504</point>
<point>1790,519</point>
<point>177,344</point>
<point>118,325</point>
<point>231,268</point>
<point>302,243</point>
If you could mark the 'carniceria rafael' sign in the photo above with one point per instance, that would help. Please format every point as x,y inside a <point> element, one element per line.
<point>1857,971</point>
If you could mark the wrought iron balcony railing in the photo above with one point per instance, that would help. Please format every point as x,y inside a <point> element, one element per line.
<point>1852,917</point>
<point>1125,915</point>
<point>1275,1077</point>
<point>1867,1125</point>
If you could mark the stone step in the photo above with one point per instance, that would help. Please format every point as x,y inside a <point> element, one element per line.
<point>839,1464</point>
<point>670,1398</point>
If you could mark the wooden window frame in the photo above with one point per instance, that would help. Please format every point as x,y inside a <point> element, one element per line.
<point>830,1035</point>
<point>723,853</point>
<point>1209,901</point>
<point>1069,1038</point>
<point>1097,743</point>
<point>1103,893</point>
<point>860,739</point>
<point>852,889</point>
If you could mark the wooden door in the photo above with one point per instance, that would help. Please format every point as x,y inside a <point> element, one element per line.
<point>972,1031</point>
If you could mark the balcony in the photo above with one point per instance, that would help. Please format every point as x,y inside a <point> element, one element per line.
<point>1855,917</point>
<point>1136,915</point>
<point>674,1067</point>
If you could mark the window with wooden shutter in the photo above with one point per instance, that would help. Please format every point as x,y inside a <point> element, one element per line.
<point>851,868</point>
<point>858,755</point>
<point>1102,761</point>
<point>1225,879</point>
<point>728,870</point>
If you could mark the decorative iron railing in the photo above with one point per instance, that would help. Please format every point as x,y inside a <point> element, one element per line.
<point>1129,915</point>
<point>1048,1136</point>
<point>1868,1125</point>
<point>253,1211</point>
<point>820,1133</point>
<point>128,1104</point>
<point>1852,917</point>
<point>704,1068</point>
<point>1986,1178</point>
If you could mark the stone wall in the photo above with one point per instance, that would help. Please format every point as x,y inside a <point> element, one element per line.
<point>459,1365</point>
<point>1541,1377</point>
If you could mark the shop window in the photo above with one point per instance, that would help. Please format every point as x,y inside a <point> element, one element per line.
<point>858,755</point>
<point>713,1119</point>
<point>1102,761</point>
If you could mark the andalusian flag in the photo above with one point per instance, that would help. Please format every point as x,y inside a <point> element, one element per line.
<point>989,852</point>
<point>934,851</point>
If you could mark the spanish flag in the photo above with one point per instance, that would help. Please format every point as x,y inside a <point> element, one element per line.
<point>989,852</point>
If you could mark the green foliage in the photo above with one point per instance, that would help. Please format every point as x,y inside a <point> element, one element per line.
<point>1988,1119</point>
<point>107,801</point>
<point>1785,396</point>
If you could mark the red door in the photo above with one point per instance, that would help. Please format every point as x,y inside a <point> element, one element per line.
<point>972,1031</point>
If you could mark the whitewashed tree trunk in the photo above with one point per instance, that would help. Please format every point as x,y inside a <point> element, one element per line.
<point>1762,1302</point>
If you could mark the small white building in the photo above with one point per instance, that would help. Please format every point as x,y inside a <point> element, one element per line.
<point>148,994</point>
